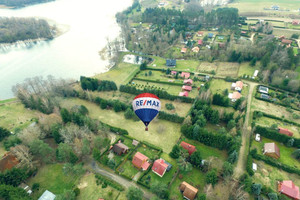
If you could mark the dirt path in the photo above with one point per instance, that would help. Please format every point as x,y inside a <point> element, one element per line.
<point>251,38</point>
<point>126,183</point>
<point>241,165</point>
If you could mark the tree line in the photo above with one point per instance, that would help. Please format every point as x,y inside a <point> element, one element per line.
<point>95,84</point>
<point>15,29</point>
<point>21,3</point>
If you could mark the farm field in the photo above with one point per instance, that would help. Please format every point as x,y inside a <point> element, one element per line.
<point>207,67</point>
<point>89,190</point>
<point>273,109</point>
<point>161,133</point>
<point>187,65</point>
<point>269,175</point>
<point>287,32</point>
<point>11,119</point>
<point>219,85</point>
<point>227,69</point>
<point>51,177</point>
<point>120,74</point>
<point>246,69</point>
<point>266,121</point>
<point>285,152</point>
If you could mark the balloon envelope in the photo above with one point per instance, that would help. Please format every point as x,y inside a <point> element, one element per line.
<point>146,106</point>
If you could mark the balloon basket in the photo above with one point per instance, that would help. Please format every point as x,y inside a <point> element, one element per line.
<point>146,129</point>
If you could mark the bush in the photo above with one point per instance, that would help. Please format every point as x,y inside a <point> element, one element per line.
<point>170,117</point>
<point>35,186</point>
<point>211,177</point>
<point>113,184</point>
<point>3,133</point>
<point>170,106</point>
<point>76,191</point>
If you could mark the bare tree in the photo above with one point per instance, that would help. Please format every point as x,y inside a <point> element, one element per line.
<point>23,155</point>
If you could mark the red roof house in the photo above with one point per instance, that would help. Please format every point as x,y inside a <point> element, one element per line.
<point>159,167</point>
<point>285,131</point>
<point>286,41</point>
<point>200,42</point>
<point>189,192</point>
<point>296,22</point>
<point>183,94</point>
<point>140,161</point>
<point>185,75</point>
<point>187,88</point>
<point>191,148</point>
<point>173,72</point>
<point>200,33</point>
<point>188,82</point>
<point>289,189</point>
<point>8,161</point>
<point>183,50</point>
<point>195,49</point>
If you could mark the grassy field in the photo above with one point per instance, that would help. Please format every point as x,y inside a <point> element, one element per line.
<point>227,69</point>
<point>273,109</point>
<point>8,100</point>
<point>285,152</point>
<point>147,151</point>
<point>195,178</point>
<point>128,169</point>
<point>15,115</point>
<point>269,175</point>
<point>89,190</point>
<point>266,121</point>
<point>161,133</point>
<point>207,67</point>
<point>219,85</point>
<point>158,76</point>
<point>52,178</point>
<point>246,69</point>
<point>286,32</point>
<point>187,65</point>
<point>120,74</point>
<point>2,150</point>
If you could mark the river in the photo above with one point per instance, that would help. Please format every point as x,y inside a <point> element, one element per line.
<point>75,53</point>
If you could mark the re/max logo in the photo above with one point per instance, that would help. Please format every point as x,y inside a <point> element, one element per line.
<point>147,103</point>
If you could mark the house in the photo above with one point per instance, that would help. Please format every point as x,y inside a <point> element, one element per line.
<point>171,63</point>
<point>189,192</point>
<point>187,88</point>
<point>195,49</point>
<point>264,96</point>
<point>183,50</point>
<point>286,41</point>
<point>26,188</point>
<point>234,96</point>
<point>120,148</point>
<point>188,82</point>
<point>238,86</point>
<point>159,167</point>
<point>200,42</point>
<point>173,73</point>
<point>275,7</point>
<point>281,37</point>
<point>271,149</point>
<point>210,35</point>
<point>47,195</point>
<point>8,161</point>
<point>285,131</point>
<point>140,161</point>
<point>243,32</point>
<point>263,89</point>
<point>135,142</point>
<point>296,22</point>
<point>183,94</point>
<point>199,33</point>
<point>289,189</point>
<point>185,74</point>
<point>191,148</point>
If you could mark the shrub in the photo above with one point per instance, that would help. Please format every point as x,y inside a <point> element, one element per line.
<point>170,106</point>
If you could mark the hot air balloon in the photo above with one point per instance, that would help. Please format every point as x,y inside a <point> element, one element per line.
<point>146,106</point>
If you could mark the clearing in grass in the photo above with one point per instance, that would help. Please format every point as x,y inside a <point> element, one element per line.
<point>161,133</point>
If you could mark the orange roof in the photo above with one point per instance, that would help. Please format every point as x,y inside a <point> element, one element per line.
<point>239,84</point>
<point>236,95</point>
<point>289,189</point>
<point>271,148</point>
<point>195,49</point>
<point>159,167</point>
<point>139,159</point>
<point>183,50</point>
<point>189,191</point>
<point>8,161</point>
<point>191,148</point>
<point>285,131</point>
<point>286,41</point>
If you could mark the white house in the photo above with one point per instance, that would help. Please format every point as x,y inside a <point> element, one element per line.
<point>263,89</point>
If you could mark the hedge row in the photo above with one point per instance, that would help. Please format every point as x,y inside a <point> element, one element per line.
<point>160,93</point>
<point>116,129</point>
<point>277,118</point>
<point>275,102</point>
<point>278,89</point>
<point>153,146</point>
<point>142,176</point>
<point>156,81</point>
<point>109,182</point>
<point>274,163</point>
<point>164,70</point>
<point>249,165</point>
<point>170,117</point>
<point>274,135</point>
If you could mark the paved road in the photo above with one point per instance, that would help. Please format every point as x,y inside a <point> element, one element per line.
<point>241,165</point>
<point>126,183</point>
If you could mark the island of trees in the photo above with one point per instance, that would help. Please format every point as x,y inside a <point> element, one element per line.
<point>15,29</point>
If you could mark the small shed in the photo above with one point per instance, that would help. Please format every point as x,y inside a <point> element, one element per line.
<point>254,166</point>
<point>135,142</point>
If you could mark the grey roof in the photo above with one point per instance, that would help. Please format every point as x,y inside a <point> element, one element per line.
<point>171,62</point>
<point>169,165</point>
<point>47,195</point>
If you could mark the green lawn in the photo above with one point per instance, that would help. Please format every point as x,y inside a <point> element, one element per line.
<point>51,177</point>
<point>285,152</point>
<point>207,67</point>
<point>187,65</point>
<point>15,115</point>
<point>227,69</point>
<point>158,76</point>
<point>266,121</point>
<point>246,69</point>
<point>147,151</point>
<point>195,178</point>
<point>298,70</point>
<point>161,133</point>
<point>120,74</point>
<point>219,85</point>
<point>8,100</point>
<point>128,169</point>
<point>89,190</point>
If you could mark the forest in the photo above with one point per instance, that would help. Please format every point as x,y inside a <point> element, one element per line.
<point>15,29</point>
<point>21,3</point>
